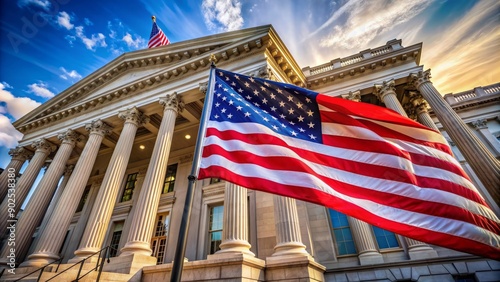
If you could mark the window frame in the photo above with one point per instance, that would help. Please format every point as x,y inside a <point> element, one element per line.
<point>127,188</point>
<point>171,183</point>
<point>336,240</point>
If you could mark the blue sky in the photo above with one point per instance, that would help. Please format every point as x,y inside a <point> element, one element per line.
<point>47,45</point>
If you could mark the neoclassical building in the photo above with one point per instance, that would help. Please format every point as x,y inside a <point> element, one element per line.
<point>119,147</point>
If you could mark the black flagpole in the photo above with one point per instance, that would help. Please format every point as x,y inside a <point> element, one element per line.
<point>178,263</point>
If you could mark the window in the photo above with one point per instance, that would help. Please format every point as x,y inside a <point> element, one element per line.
<point>385,239</point>
<point>344,242</point>
<point>169,183</point>
<point>464,278</point>
<point>159,240</point>
<point>83,200</point>
<point>115,238</point>
<point>215,228</point>
<point>214,180</point>
<point>129,187</point>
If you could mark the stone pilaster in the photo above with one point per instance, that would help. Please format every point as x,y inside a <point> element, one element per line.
<point>421,109</point>
<point>37,206</point>
<point>144,217</point>
<point>23,186</point>
<point>481,126</point>
<point>19,156</point>
<point>235,228</point>
<point>52,237</point>
<point>365,244</point>
<point>100,216</point>
<point>484,164</point>
<point>386,92</point>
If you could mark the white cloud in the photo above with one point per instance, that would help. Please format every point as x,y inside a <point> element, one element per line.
<point>71,39</point>
<point>45,4</point>
<point>138,42</point>
<point>222,15</point>
<point>16,106</point>
<point>96,40</point>
<point>69,74</point>
<point>9,136</point>
<point>364,21</point>
<point>88,21</point>
<point>64,20</point>
<point>40,89</point>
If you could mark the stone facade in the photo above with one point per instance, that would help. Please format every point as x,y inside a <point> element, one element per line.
<point>128,132</point>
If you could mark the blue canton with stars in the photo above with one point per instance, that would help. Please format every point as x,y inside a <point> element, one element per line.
<point>284,108</point>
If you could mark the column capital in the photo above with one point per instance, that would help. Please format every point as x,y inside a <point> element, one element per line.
<point>480,124</point>
<point>416,79</point>
<point>387,87</point>
<point>20,154</point>
<point>98,127</point>
<point>44,146</point>
<point>265,72</point>
<point>354,96</point>
<point>69,137</point>
<point>134,116</point>
<point>418,102</point>
<point>410,111</point>
<point>172,102</point>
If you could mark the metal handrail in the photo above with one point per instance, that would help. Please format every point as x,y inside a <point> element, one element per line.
<point>41,270</point>
<point>99,264</point>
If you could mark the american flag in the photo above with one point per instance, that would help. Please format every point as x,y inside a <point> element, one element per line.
<point>157,37</point>
<point>359,159</point>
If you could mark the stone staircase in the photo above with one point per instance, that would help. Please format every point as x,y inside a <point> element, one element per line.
<point>67,275</point>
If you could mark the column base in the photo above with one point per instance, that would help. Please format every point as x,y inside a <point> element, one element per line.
<point>294,268</point>
<point>368,258</point>
<point>85,253</point>
<point>136,247</point>
<point>422,252</point>
<point>290,249</point>
<point>39,260</point>
<point>235,246</point>
<point>129,264</point>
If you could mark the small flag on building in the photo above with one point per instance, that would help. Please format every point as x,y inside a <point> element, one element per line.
<point>157,37</point>
<point>359,159</point>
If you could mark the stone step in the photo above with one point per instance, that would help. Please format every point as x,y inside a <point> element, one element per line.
<point>69,275</point>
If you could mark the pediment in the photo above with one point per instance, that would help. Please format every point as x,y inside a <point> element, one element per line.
<point>146,69</point>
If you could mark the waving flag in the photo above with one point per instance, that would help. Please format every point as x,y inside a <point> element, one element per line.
<point>359,159</point>
<point>157,37</point>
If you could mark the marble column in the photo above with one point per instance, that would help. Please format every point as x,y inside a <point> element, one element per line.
<point>99,218</point>
<point>365,243</point>
<point>67,172</point>
<point>481,125</point>
<point>419,250</point>
<point>288,239</point>
<point>235,227</point>
<point>52,237</point>
<point>144,217</point>
<point>386,92</point>
<point>37,206</point>
<point>421,109</point>
<point>19,156</point>
<point>484,164</point>
<point>23,186</point>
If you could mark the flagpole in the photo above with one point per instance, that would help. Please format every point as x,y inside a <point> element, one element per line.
<point>180,250</point>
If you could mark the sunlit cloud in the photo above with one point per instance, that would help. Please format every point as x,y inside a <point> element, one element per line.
<point>40,89</point>
<point>222,15</point>
<point>467,55</point>
<point>44,4</point>
<point>15,106</point>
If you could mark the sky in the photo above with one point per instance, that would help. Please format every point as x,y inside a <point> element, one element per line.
<point>48,45</point>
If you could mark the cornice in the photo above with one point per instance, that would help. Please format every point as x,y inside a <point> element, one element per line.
<point>176,62</point>
<point>342,69</point>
